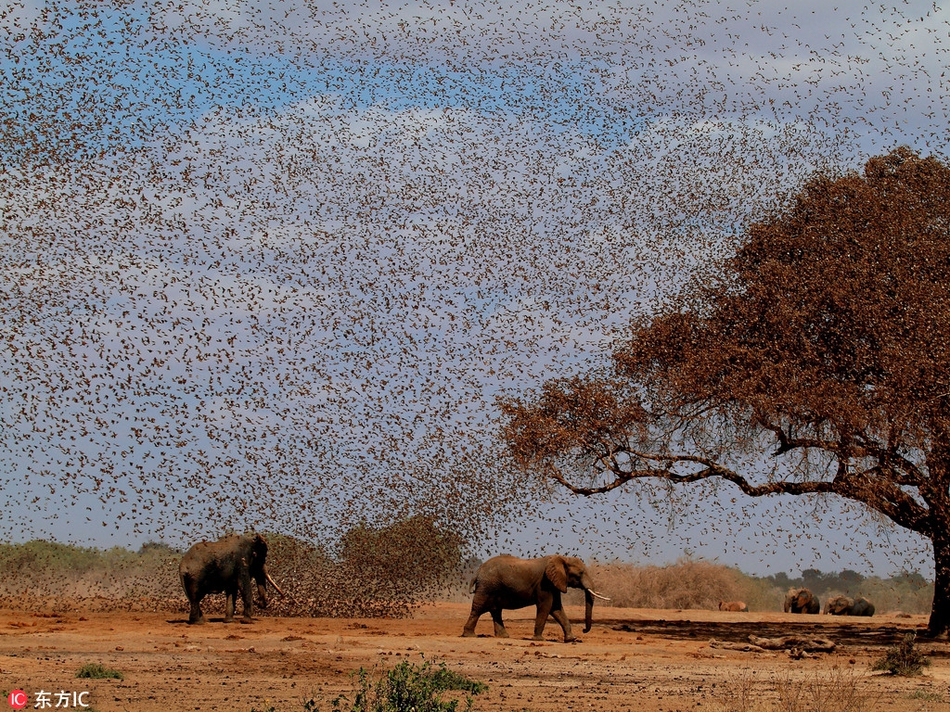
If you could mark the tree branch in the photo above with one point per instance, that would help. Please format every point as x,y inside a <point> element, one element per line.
<point>708,469</point>
<point>872,487</point>
<point>877,489</point>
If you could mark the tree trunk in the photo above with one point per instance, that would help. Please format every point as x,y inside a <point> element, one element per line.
<point>940,612</point>
<point>937,496</point>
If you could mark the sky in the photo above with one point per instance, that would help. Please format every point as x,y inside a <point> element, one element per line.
<point>269,265</point>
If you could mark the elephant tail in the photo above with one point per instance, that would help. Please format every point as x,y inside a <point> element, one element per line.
<point>472,584</point>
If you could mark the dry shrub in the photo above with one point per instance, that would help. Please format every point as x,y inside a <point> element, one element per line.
<point>688,583</point>
<point>838,690</point>
<point>374,571</point>
<point>903,659</point>
<point>739,692</point>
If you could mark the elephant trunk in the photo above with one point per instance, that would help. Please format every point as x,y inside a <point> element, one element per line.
<point>589,595</point>
<point>588,609</point>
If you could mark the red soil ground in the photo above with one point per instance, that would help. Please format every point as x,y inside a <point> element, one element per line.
<point>632,660</point>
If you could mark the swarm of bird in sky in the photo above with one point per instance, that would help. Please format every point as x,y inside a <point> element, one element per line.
<point>268,265</point>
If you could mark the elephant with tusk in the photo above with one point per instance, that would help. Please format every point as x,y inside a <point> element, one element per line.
<point>226,565</point>
<point>507,583</point>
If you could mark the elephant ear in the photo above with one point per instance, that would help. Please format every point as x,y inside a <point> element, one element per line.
<point>556,573</point>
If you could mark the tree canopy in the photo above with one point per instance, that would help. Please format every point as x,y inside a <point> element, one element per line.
<point>823,340</point>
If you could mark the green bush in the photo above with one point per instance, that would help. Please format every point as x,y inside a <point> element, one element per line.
<point>96,671</point>
<point>409,688</point>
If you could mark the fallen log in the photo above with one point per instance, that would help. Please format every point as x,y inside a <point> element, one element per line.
<point>742,647</point>
<point>794,642</point>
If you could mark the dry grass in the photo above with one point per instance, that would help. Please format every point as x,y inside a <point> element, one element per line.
<point>834,691</point>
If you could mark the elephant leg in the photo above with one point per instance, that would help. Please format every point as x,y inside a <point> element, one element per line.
<point>469,630</point>
<point>561,617</point>
<point>194,594</point>
<point>500,630</point>
<point>195,616</point>
<point>544,610</point>
<point>248,606</point>
<point>247,593</point>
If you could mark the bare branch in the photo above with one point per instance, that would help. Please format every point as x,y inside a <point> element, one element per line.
<point>873,487</point>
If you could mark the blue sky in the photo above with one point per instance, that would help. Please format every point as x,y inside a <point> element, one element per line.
<point>270,264</point>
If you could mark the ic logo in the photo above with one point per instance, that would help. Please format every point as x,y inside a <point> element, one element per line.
<point>17,699</point>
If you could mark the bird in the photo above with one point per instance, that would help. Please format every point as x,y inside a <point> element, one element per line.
<point>274,268</point>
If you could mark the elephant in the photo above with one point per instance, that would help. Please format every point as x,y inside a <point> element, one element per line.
<point>862,607</point>
<point>801,600</point>
<point>226,565</point>
<point>733,606</point>
<point>507,582</point>
<point>844,606</point>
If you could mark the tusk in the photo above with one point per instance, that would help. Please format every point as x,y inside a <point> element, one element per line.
<point>592,592</point>
<point>274,584</point>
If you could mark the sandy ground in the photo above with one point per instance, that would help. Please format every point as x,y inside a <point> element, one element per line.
<point>632,660</point>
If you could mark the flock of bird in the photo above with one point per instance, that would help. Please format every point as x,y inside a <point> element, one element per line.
<point>268,265</point>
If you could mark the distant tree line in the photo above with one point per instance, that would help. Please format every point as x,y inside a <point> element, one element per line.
<point>847,581</point>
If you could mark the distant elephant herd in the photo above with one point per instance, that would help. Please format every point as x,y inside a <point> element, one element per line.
<point>801,600</point>
<point>229,564</point>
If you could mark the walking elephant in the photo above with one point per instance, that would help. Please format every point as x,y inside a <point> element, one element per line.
<point>507,583</point>
<point>226,565</point>
<point>801,600</point>
<point>844,606</point>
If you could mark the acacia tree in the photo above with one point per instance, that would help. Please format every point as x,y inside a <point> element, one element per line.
<point>823,340</point>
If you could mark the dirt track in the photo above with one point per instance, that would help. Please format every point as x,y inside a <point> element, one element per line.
<point>633,659</point>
